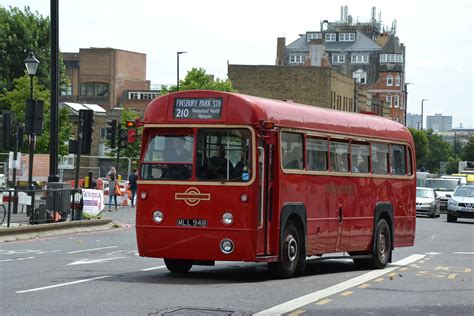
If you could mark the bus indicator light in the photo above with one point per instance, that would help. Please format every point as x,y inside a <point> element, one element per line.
<point>244,198</point>
<point>144,195</point>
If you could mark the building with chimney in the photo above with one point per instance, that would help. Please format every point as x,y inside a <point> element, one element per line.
<point>364,50</point>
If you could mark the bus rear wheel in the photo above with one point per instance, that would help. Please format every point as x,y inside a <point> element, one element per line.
<point>290,253</point>
<point>383,245</point>
<point>178,265</point>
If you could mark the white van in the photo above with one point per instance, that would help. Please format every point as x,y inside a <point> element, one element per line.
<point>462,180</point>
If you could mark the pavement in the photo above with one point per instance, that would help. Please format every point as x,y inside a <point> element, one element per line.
<point>124,217</point>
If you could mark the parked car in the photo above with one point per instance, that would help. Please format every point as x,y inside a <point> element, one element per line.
<point>442,188</point>
<point>461,203</point>
<point>427,202</point>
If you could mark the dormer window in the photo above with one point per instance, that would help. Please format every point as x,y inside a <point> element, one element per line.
<point>360,76</point>
<point>360,58</point>
<point>312,36</point>
<point>389,80</point>
<point>296,59</point>
<point>330,37</point>
<point>391,58</point>
<point>346,37</point>
<point>338,59</point>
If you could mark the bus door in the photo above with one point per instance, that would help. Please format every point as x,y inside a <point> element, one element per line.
<point>266,165</point>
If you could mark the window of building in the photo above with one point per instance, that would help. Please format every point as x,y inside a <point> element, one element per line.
<point>296,59</point>
<point>330,37</point>
<point>360,58</point>
<point>95,89</point>
<point>389,80</point>
<point>360,76</point>
<point>133,95</point>
<point>396,100</point>
<point>338,58</point>
<point>389,99</point>
<point>397,81</point>
<point>346,37</point>
<point>311,36</point>
<point>391,58</point>
<point>66,89</point>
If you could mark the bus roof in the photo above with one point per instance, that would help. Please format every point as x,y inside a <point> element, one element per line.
<point>244,109</point>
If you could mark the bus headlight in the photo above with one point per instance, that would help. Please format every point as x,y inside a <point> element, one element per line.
<point>227,246</point>
<point>158,216</point>
<point>227,218</point>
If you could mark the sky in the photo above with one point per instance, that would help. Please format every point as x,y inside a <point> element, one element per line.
<point>438,36</point>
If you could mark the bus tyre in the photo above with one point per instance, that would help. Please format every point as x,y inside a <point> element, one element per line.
<point>290,253</point>
<point>178,265</point>
<point>383,245</point>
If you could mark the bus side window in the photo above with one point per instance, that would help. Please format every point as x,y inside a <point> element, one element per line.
<point>339,154</point>
<point>360,157</point>
<point>397,159</point>
<point>293,151</point>
<point>379,158</point>
<point>317,154</point>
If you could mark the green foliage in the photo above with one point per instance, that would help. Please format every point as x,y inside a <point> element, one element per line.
<point>440,150</point>
<point>452,166</point>
<point>422,150</point>
<point>468,150</point>
<point>15,100</point>
<point>198,79</point>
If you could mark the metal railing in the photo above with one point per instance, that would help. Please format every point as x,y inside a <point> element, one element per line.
<point>39,206</point>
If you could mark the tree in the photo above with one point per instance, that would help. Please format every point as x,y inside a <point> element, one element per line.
<point>468,150</point>
<point>20,32</point>
<point>198,79</point>
<point>440,150</point>
<point>16,101</point>
<point>422,150</point>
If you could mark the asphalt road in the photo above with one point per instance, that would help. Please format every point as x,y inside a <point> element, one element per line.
<point>100,273</point>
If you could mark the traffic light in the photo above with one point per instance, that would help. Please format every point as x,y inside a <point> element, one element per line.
<point>6,130</point>
<point>123,141</point>
<point>132,131</point>
<point>87,118</point>
<point>34,118</point>
<point>112,132</point>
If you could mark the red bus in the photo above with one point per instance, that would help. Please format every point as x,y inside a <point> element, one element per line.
<point>231,177</point>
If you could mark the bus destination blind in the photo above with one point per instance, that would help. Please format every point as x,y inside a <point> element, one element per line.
<point>197,108</point>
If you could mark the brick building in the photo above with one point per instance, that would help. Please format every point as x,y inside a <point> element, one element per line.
<point>319,86</point>
<point>365,51</point>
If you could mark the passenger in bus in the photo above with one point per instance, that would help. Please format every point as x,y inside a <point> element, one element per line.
<point>218,165</point>
<point>177,152</point>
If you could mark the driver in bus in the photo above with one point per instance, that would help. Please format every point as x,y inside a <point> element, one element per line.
<point>178,151</point>
<point>218,164</point>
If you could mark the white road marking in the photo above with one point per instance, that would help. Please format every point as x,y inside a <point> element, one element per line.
<point>93,249</point>
<point>433,253</point>
<point>153,268</point>
<point>43,252</point>
<point>89,261</point>
<point>27,258</point>
<point>464,253</point>
<point>6,260</point>
<point>318,295</point>
<point>62,284</point>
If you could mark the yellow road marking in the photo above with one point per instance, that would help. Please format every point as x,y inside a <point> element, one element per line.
<point>403,269</point>
<point>346,293</point>
<point>324,301</point>
<point>379,280</point>
<point>296,313</point>
<point>363,286</point>
<point>421,261</point>
<point>392,274</point>
<point>452,276</point>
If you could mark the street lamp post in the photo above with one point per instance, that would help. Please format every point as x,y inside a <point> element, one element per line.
<point>177,65</point>
<point>31,64</point>
<point>422,101</point>
<point>406,101</point>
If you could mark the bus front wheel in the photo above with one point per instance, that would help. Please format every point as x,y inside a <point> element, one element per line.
<point>289,254</point>
<point>178,265</point>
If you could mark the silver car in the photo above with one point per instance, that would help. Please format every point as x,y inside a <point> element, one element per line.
<point>427,202</point>
<point>461,203</point>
